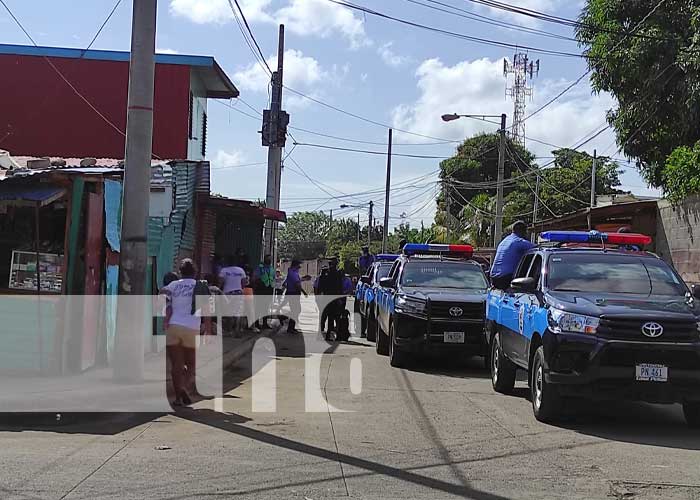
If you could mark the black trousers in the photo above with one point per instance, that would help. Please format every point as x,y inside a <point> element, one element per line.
<point>502,282</point>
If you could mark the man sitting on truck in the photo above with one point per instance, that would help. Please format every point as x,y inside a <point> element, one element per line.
<point>508,255</point>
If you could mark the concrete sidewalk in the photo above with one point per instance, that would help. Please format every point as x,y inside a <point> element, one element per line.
<point>95,391</point>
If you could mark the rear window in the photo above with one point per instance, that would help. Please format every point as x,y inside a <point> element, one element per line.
<point>382,272</point>
<point>600,272</point>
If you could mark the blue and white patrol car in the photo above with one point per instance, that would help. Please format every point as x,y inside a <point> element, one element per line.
<point>593,317</point>
<point>431,300</point>
<point>366,291</point>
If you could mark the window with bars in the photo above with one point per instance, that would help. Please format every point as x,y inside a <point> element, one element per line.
<point>204,135</point>
<point>191,116</point>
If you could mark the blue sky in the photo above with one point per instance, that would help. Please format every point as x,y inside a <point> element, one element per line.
<point>390,73</point>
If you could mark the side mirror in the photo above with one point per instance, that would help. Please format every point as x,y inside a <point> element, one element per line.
<point>695,290</point>
<point>524,284</point>
<point>366,280</point>
<point>387,283</point>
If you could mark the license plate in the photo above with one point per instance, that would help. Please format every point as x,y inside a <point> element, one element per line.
<point>652,373</point>
<point>454,337</point>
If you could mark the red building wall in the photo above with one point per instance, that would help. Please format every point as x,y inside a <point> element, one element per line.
<point>42,116</point>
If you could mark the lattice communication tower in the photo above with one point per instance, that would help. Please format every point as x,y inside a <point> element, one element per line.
<point>524,70</point>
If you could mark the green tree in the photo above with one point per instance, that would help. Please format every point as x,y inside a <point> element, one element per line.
<point>654,74</point>
<point>681,173</point>
<point>564,187</point>
<point>304,236</point>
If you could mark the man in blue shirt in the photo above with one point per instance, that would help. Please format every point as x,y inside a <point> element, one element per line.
<point>508,255</point>
<point>366,260</point>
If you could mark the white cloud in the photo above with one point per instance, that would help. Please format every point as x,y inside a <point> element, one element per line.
<point>218,11</point>
<point>166,51</point>
<point>363,77</point>
<point>300,72</point>
<point>322,18</point>
<point>228,158</point>
<point>390,57</point>
<point>477,87</point>
<point>303,17</point>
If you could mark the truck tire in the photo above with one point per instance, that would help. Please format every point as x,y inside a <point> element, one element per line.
<point>397,357</point>
<point>371,328</point>
<point>502,369</point>
<point>382,344</point>
<point>546,401</point>
<point>691,410</point>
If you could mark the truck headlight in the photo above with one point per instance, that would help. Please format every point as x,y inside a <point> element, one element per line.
<point>562,321</point>
<point>406,305</point>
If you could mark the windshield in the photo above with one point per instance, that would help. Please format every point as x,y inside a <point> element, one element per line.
<point>459,275</point>
<point>612,274</point>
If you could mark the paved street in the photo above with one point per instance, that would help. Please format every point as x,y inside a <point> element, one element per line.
<point>437,431</point>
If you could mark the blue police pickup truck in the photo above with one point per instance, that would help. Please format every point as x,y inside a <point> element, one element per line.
<point>432,300</point>
<point>593,317</point>
<point>366,291</point>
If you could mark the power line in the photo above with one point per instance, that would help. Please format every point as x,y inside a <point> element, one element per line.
<point>578,80</point>
<point>248,36</point>
<point>466,14</point>
<point>382,153</point>
<point>461,36</point>
<point>104,23</point>
<point>562,20</point>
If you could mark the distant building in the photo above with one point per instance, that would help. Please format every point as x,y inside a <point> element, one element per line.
<point>42,115</point>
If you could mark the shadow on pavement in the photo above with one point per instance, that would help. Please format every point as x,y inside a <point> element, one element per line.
<point>218,421</point>
<point>101,424</point>
<point>451,366</point>
<point>631,422</point>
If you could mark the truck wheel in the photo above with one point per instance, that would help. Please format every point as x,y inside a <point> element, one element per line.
<point>371,329</point>
<point>382,345</point>
<point>363,326</point>
<point>546,402</point>
<point>692,414</point>
<point>397,357</point>
<point>502,369</point>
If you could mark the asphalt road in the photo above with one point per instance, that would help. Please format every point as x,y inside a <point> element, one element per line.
<point>436,431</point>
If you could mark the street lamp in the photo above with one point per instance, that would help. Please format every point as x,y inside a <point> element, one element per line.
<point>498,231</point>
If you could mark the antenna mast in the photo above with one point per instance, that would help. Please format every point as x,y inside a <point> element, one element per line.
<point>523,70</point>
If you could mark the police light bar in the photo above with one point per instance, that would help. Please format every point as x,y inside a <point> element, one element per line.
<point>596,237</point>
<point>386,257</point>
<point>428,248</point>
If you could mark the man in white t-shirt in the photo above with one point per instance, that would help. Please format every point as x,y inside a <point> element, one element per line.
<point>233,279</point>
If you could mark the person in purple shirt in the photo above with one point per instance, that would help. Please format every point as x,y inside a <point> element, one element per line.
<point>508,255</point>
<point>294,290</point>
<point>366,260</point>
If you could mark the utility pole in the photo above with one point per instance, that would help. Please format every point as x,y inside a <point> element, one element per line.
<point>447,213</point>
<point>369,223</point>
<point>129,342</point>
<point>499,189</point>
<point>593,174</point>
<point>537,206</point>
<point>359,236</point>
<point>422,232</point>
<point>274,136</point>
<point>330,227</point>
<point>385,232</point>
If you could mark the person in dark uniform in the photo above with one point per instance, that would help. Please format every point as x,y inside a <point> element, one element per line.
<point>331,284</point>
